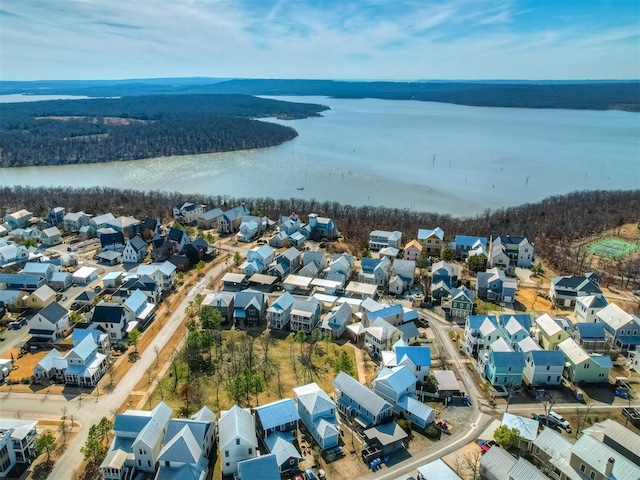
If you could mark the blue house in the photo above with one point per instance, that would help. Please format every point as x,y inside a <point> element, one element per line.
<point>287,262</point>
<point>322,228</point>
<point>591,337</point>
<point>445,272</point>
<point>357,402</point>
<point>249,307</point>
<point>279,313</point>
<point>464,244</point>
<point>278,416</point>
<point>318,413</point>
<point>621,329</point>
<point>505,369</point>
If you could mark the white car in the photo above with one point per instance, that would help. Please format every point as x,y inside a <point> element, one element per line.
<point>559,418</point>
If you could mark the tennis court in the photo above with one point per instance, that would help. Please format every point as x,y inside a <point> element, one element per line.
<point>612,248</point>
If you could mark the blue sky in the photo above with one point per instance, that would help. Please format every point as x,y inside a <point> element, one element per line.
<point>342,39</point>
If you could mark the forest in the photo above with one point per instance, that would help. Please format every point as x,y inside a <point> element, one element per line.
<point>580,95</point>
<point>554,224</point>
<point>136,127</point>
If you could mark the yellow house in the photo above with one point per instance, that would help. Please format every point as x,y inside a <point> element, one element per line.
<point>432,241</point>
<point>42,297</point>
<point>550,333</point>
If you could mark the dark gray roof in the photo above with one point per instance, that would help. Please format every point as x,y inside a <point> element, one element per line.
<point>107,239</point>
<point>54,312</point>
<point>176,235</point>
<point>107,313</point>
<point>137,243</point>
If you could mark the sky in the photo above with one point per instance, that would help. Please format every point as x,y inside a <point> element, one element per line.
<point>325,39</point>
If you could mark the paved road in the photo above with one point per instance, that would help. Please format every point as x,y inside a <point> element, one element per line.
<point>89,410</point>
<point>460,438</point>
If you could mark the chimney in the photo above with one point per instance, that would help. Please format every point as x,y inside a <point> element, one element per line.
<point>608,469</point>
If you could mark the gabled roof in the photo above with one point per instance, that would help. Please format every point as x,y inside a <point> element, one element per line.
<point>399,379</point>
<point>44,292</point>
<point>86,296</point>
<point>381,329</point>
<point>283,302</point>
<point>469,241</point>
<point>616,318</point>
<point>462,293</point>
<point>80,333</point>
<point>554,358</point>
<point>291,253</point>
<point>85,348</point>
<point>137,243</point>
<point>475,321</point>
<point>612,430</point>
<point>204,415</point>
<point>419,355</point>
<point>597,454</point>
<point>236,423</point>
<point>523,319</point>
<point>603,361</point>
<point>211,214</point>
<point>548,325</point>
<point>524,470</point>
<point>339,316</point>
<point>592,301</point>
<point>437,470</point>
<point>507,359</point>
<point>136,300</point>
<point>260,468</point>
<point>573,352</point>
<point>512,327</point>
<point>49,360</point>
<point>183,447</point>
<point>591,331</point>
<point>37,268</point>
<point>498,462</point>
<point>386,434</point>
<point>360,394</point>
<point>176,234</point>
<point>425,233</point>
<point>280,445</point>
<point>414,244</point>
<point>54,312</point>
<point>107,313</point>
<point>277,413</point>
<point>243,299</point>
<point>528,427</point>
<point>314,399</point>
<point>152,432</point>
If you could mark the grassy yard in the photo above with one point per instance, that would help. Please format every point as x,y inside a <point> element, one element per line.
<point>283,372</point>
<point>485,308</point>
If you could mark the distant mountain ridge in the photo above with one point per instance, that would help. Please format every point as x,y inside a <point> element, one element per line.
<point>576,95</point>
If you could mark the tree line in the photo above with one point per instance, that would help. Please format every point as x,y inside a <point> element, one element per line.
<point>554,224</point>
<point>131,128</point>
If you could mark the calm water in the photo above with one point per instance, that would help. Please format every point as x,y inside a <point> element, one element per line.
<point>378,152</point>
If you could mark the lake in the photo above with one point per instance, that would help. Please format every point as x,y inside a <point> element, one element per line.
<point>419,155</point>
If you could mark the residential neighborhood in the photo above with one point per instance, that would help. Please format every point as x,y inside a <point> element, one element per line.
<point>418,349</point>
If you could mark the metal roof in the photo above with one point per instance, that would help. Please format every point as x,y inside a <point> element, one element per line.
<point>610,429</point>
<point>260,468</point>
<point>54,312</point>
<point>437,470</point>
<point>277,413</point>
<point>183,447</point>
<point>524,470</point>
<point>596,454</point>
<point>528,427</point>
<point>386,434</point>
<point>498,462</point>
<point>591,331</point>
<point>507,359</point>
<point>280,445</point>
<point>153,430</point>
<point>236,423</point>
<point>399,379</point>
<point>419,355</point>
<point>354,390</point>
<point>416,408</point>
<point>547,357</point>
<point>314,399</point>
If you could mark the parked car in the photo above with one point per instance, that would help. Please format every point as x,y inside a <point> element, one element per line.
<point>560,419</point>
<point>297,477</point>
<point>310,475</point>
<point>543,420</point>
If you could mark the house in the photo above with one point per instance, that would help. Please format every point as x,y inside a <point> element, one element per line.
<point>361,290</point>
<point>233,282</point>
<point>258,260</point>
<point>176,240</point>
<point>249,307</point>
<point>620,328</point>
<point>112,318</point>
<point>42,297</point>
<point>135,250</point>
<point>111,240</point>
<point>289,262</point>
<point>305,315</point>
<point>619,438</point>
<point>397,385</point>
<point>50,323</point>
<point>342,264</point>
<point>128,226</point>
<point>50,236</point>
<point>237,438</point>
<point>375,271</point>
<point>515,328</point>
<point>108,257</point>
<point>74,221</point>
<point>394,314</point>
<point>359,404</point>
<point>264,467</point>
<point>405,270</point>
<point>508,251</point>
<point>210,220</point>
<point>432,241</point>
<point>412,251</point>
<point>318,414</point>
<point>493,285</point>
<point>436,470</point>
<point>464,244</point>
<point>321,228</point>
<point>478,330</point>
<point>100,221</point>
<point>550,333</point>
<point>379,239</point>
<point>588,306</point>
<point>85,275</point>
<point>13,253</point>
<point>187,212</point>
<point>380,336</point>
<point>591,458</point>
<point>564,291</point>
<point>460,302</point>
<point>279,239</point>
<point>138,309</point>
<point>551,452</point>
<point>278,416</point>
<point>19,438</point>
<point>527,430</point>
<point>279,313</point>
<point>543,367</point>
<point>198,250</point>
<point>583,367</point>
<point>439,291</point>
<point>232,218</point>
<point>505,369</point>
<point>100,339</point>
<point>145,284</point>
<point>319,259</point>
<point>85,364</point>
<point>150,227</point>
<point>221,301</point>
<point>416,358</point>
<point>19,219</point>
<point>281,446</point>
<point>162,273</point>
<point>496,464</point>
<point>591,337</point>
<point>50,367</point>
<point>445,272</point>
<point>337,320</point>
<point>309,270</point>
<point>383,439</point>
<point>247,231</point>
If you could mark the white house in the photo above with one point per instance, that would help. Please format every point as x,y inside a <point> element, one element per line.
<point>135,250</point>
<point>50,323</point>
<point>112,318</point>
<point>587,307</point>
<point>508,251</point>
<point>187,212</point>
<point>379,239</point>
<point>237,440</point>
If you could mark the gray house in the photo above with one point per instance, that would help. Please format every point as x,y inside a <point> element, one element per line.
<point>494,285</point>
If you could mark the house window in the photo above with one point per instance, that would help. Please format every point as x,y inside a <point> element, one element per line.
<point>140,452</point>
<point>226,453</point>
<point>592,475</point>
<point>250,451</point>
<point>148,463</point>
<point>292,462</point>
<point>582,467</point>
<point>167,463</point>
<point>548,378</point>
<point>509,369</point>
<point>282,427</point>
<point>237,441</point>
<point>227,464</point>
<point>139,463</point>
